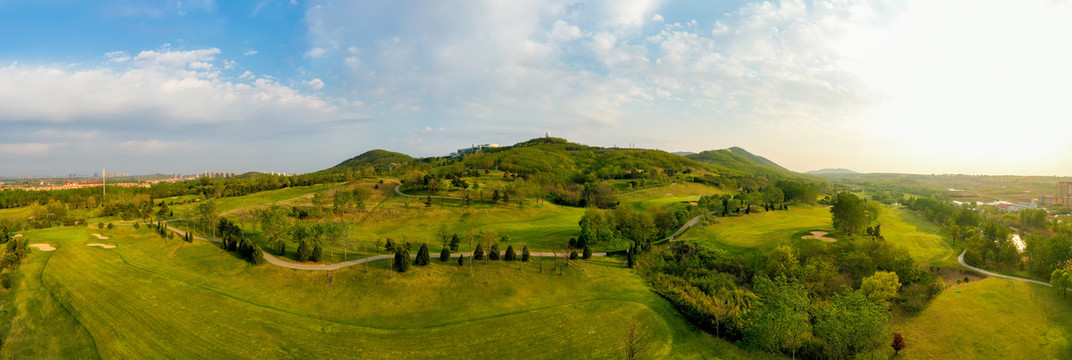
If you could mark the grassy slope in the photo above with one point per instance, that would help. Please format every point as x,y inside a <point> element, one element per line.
<point>148,298</point>
<point>763,229</point>
<point>265,197</point>
<point>924,240</point>
<point>993,318</point>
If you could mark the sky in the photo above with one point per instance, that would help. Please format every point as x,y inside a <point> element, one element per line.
<point>148,86</point>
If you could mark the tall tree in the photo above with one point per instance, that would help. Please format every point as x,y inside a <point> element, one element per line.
<point>852,324</point>
<point>779,315</point>
<point>848,213</point>
<point>423,258</point>
<point>881,287</point>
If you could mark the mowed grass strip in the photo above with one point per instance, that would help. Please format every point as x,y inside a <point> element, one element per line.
<point>990,319</point>
<point>155,298</point>
<point>923,239</point>
<point>763,229</point>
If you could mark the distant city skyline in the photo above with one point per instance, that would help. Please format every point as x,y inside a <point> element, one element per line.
<point>163,86</point>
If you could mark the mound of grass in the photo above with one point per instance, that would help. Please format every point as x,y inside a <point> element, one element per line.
<point>993,318</point>
<point>763,229</point>
<point>924,240</point>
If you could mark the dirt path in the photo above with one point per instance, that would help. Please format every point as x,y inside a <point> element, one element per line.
<point>42,247</point>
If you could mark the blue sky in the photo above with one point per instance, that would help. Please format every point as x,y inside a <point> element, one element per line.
<point>297,86</point>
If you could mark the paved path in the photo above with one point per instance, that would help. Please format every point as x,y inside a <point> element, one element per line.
<point>965,264</point>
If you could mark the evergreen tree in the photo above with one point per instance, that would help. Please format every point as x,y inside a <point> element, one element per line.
<point>510,255</point>
<point>587,252</point>
<point>423,258</point>
<point>573,255</point>
<point>444,255</point>
<point>525,253</point>
<point>582,241</point>
<point>401,263</point>
<point>281,247</point>
<point>461,260</point>
<point>478,254</point>
<point>493,254</point>
<point>258,255</point>
<point>455,241</point>
<point>572,243</point>
<point>304,252</point>
<point>317,252</point>
<point>389,246</point>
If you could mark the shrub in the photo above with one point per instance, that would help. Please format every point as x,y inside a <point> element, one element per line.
<point>258,255</point>
<point>461,260</point>
<point>510,255</point>
<point>401,263</point>
<point>137,225</point>
<point>572,243</point>
<point>525,253</point>
<point>389,246</point>
<point>573,255</point>
<point>423,258</point>
<point>9,260</point>
<point>281,248</point>
<point>444,255</point>
<point>304,252</point>
<point>587,254</point>
<point>109,226</point>
<point>100,225</point>
<point>478,254</point>
<point>5,280</point>
<point>493,254</point>
<point>317,252</point>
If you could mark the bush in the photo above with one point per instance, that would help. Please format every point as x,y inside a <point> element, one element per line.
<point>318,252</point>
<point>258,255</point>
<point>137,225</point>
<point>510,255</point>
<point>109,226</point>
<point>444,255</point>
<point>573,255</point>
<point>493,254</point>
<point>525,253</point>
<point>304,252</point>
<point>9,261</point>
<point>423,258</point>
<point>572,243</point>
<point>478,254</point>
<point>281,248</point>
<point>461,260</point>
<point>5,279</point>
<point>100,225</point>
<point>401,263</point>
<point>587,253</point>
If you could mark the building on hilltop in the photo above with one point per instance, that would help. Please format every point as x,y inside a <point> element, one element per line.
<point>475,148</point>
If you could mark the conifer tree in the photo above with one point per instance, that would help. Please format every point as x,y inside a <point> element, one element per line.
<point>493,254</point>
<point>525,253</point>
<point>478,254</point>
<point>401,263</point>
<point>444,255</point>
<point>423,258</point>
<point>510,255</point>
<point>587,253</point>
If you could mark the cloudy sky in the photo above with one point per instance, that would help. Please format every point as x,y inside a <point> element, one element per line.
<point>979,87</point>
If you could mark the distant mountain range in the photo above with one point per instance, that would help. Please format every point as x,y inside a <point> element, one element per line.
<point>831,172</point>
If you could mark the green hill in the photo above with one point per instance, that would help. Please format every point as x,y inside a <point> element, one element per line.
<point>757,159</point>
<point>379,159</point>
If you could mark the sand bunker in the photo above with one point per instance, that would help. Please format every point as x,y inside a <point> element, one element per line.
<point>100,237</point>
<point>819,235</point>
<point>17,235</point>
<point>43,247</point>
<point>106,246</point>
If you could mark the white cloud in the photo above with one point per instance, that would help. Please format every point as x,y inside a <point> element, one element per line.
<point>316,52</point>
<point>315,84</point>
<point>250,52</point>
<point>657,18</point>
<point>565,32</point>
<point>167,87</point>
<point>24,149</point>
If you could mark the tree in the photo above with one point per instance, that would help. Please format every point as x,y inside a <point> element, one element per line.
<point>898,343</point>
<point>881,287</point>
<point>444,255</point>
<point>389,245</point>
<point>573,255</point>
<point>852,324</point>
<point>207,214</point>
<point>461,260</point>
<point>510,255</point>
<point>317,253</point>
<point>493,254</point>
<point>587,253</point>
<point>848,213</point>
<point>525,253</point>
<point>478,254</point>
<point>1061,279</point>
<point>401,263</point>
<point>783,262</point>
<point>422,256</point>
<point>281,247</point>
<point>779,314</point>
<point>455,241</point>
<point>637,342</point>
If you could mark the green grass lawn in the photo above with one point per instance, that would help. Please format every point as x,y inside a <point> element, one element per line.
<point>262,198</point>
<point>151,298</point>
<point>762,229</point>
<point>923,239</point>
<point>992,318</point>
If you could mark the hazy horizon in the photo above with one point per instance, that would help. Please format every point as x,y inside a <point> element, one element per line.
<point>958,87</point>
